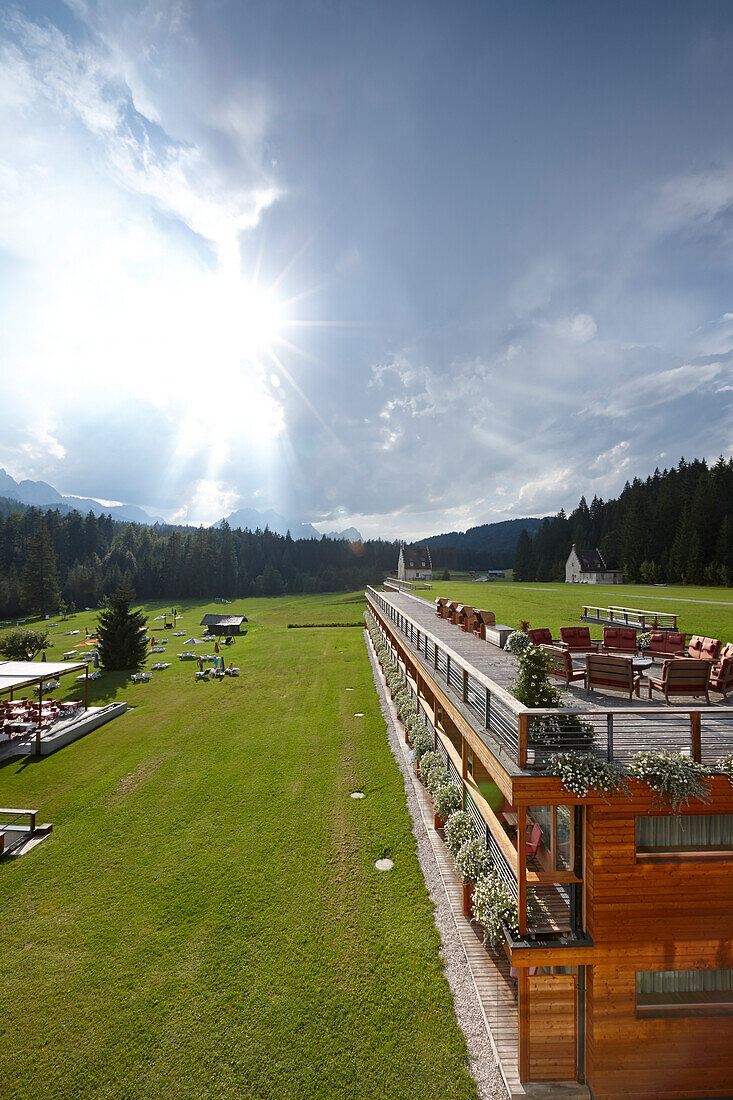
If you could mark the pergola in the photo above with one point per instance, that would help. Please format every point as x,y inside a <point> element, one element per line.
<point>23,674</point>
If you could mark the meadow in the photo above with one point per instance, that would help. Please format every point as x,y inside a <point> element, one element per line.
<point>205,919</point>
<point>706,611</point>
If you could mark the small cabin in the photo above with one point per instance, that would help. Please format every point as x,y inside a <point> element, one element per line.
<point>226,625</point>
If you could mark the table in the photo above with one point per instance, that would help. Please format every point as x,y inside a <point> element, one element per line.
<point>641,664</point>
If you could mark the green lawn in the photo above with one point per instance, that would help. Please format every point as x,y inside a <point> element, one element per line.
<point>205,919</point>
<point>557,605</point>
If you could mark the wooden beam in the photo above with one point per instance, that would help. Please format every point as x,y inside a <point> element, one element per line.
<point>523,998</point>
<point>522,868</point>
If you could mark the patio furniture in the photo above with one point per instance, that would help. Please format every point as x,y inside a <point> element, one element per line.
<point>542,635</point>
<point>666,643</point>
<point>683,676</point>
<point>721,674</point>
<point>576,639</point>
<point>534,838</point>
<point>619,639</point>
<point>703,649</point>
<point>612,673</point>
<point>559,663</point>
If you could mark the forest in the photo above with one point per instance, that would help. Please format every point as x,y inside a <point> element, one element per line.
<point>674,528</point>
<point>47,556</point>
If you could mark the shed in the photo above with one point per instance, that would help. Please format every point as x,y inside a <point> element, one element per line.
<point>225,625</point>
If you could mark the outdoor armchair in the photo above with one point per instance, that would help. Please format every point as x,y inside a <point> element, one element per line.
<point>665,643</point>
<point>703,649</point>
<point>559,663</point>
<point>721,674</point>
<point>683,676</point>
<point>619,639</point>
<point>541,635</point>
<point>612,673</point>
<point>577,639</point>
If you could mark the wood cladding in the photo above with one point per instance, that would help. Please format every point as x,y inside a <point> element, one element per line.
<point>552,1027</point>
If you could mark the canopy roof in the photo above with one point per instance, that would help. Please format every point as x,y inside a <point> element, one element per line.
<point>14,674</point>
<point>223,620</point>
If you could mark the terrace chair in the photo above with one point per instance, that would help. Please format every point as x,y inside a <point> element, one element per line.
<point>721,674</point>
<point>541,635</point>
<point>612,673</point>
<point>559,663</point>
<point>576,639</point>
<point>619,639</point>
<point>683,676</point>
<point>703,649</point>
<point>665,643</point>
<point>534,838</point>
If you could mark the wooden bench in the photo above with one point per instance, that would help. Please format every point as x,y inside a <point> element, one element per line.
<point>611,673</point>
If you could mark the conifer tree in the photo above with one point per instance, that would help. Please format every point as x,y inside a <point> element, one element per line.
<point>122,641</point>
<point>39,585</point>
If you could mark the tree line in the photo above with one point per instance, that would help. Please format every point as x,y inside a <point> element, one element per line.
<point>676,527</point>
<point>48,558</point>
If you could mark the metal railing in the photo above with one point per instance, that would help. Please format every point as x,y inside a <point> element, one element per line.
<point>630,616</point>
<point>529,735</point>
<point>409,586</point>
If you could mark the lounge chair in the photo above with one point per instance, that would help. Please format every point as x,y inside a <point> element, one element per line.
<point>620,640</point>
<point>683,676</point>
<point>542,635</point>
<point>576,639</point>
<point>665,643</point>
<point>612,673</point>
<point>703,649</point>
<point>534,838</point>
<point>721,674</point>
<point>559,663</point>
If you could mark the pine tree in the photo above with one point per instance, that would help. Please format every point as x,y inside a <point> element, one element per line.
<point>39,585</point>
<point>122,641</point>
<point>523,564</point>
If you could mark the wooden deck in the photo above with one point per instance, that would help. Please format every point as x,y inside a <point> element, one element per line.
<point>495,988</point>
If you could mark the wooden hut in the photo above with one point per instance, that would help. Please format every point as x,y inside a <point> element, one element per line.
<point>483,619</point>
<point>225,625</point>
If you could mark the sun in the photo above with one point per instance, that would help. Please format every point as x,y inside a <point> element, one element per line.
<point>258,320</point>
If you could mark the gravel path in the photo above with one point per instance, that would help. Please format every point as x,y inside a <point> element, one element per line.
<point>465,999</point>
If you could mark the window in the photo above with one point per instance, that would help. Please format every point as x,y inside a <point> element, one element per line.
<point>669,835</point>
<point>684,992</point>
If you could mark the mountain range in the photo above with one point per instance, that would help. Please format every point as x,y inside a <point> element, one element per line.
<point>39,494</point>
<point>251,519</point>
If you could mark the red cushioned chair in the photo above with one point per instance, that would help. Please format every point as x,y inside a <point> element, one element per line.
<point>721,674</point>
<point>619,639</point>
<point>666,643</point>
<point>683,676</point>
<point>703,649</point>
<point>559,663</point>
<point>534,839</point>
<point>577,639</point>
<point>541,635</point>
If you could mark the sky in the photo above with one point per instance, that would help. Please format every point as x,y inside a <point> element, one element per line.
<point>407,266</point>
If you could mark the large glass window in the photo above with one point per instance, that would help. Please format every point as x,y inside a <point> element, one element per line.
<point>685,990</point>
<point>671,833</point>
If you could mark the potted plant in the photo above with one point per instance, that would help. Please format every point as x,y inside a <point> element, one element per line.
<point>473,862</point>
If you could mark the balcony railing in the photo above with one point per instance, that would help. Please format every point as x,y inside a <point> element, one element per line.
<point>615,733</point>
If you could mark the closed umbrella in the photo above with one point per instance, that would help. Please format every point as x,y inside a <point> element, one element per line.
<point>96,660</point>
<point>43,655</point>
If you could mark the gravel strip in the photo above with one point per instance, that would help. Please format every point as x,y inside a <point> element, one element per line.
<point>466,1005</point>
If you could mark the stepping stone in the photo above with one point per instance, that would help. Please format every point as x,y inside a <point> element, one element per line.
<point>357,794</point>
<point>384,864</point>
<point>359,714</point>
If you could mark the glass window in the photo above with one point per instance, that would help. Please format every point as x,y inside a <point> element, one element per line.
<point>684,833</point>
<point>684,988</point>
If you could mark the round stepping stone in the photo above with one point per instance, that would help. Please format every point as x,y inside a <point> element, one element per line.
<point>384,864</point>
<point>357,794</point>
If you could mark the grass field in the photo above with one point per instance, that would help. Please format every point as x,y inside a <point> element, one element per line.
<point>205,919</point>
<point>700,610</point>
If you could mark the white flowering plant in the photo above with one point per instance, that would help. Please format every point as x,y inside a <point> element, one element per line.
<point>429,762</point>
<point>724,764</point>
<point>643,640</point>
<point>581,772</point>
<point>458,829</point>
<point>473,861</point>
<point>517,642</point>
<point>495,909</point>
<point>533,688</point>
<point>422,743</point>
<point>675,778</point>
<point>446,799</point>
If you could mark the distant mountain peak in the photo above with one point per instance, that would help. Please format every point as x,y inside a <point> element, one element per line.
<point>39,494</point>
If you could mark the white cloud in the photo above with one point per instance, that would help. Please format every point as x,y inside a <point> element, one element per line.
<point>579,329</point>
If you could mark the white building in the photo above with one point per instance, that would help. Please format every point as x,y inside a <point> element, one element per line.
<point>588,567</point>
<point>415,563</point>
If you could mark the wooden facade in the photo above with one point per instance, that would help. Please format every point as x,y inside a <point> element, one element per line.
<point>608,913</point>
